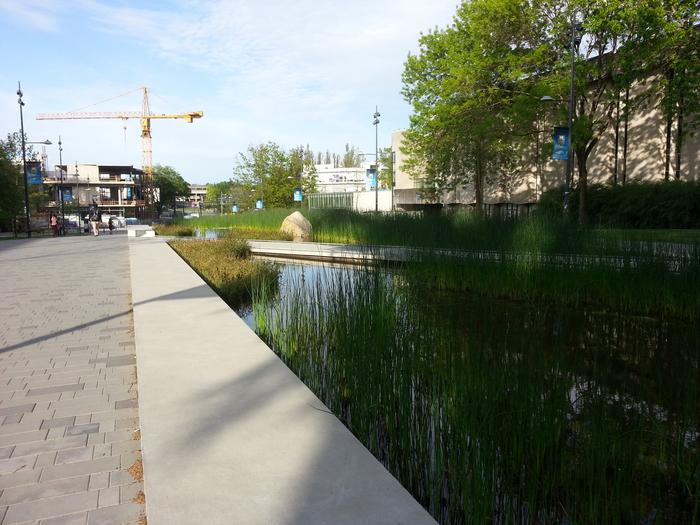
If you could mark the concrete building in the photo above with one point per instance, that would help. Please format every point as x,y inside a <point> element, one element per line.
<point>198,194</point>
<point>116,189</point>
<point>330,179</point>
<point>632,149</point>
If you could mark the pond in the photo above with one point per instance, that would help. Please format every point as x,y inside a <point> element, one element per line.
<point>498,411</point>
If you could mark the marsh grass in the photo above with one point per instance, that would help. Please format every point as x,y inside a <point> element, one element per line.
<point>174,230</point>
<point>492,411</point>
<point>226,266</point>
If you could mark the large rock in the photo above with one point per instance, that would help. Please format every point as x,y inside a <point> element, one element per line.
<point>298,226</point>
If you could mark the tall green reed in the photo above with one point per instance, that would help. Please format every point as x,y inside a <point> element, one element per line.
<point>493,411</point>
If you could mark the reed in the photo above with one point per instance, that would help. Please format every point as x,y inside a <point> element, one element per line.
<point>492,411</point>
<point>226,266</point>
<point>174,230</point>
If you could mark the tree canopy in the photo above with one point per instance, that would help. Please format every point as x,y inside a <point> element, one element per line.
<point>170,185</point>
<point>475,86</point>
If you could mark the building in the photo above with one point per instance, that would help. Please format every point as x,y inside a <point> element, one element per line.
<point>330,179</point>
<point>198,194</point>
<point>639,147</point>
<point>116,189</point>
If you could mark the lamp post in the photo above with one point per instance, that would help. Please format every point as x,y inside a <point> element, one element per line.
<point>570,152</point>
<point>60,193</point>
<point>376,116</point>
<point>24,158</point>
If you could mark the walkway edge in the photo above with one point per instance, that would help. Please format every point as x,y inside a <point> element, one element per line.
<point>229,434</point>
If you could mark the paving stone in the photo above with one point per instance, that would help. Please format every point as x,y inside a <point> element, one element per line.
<point>83,429</point>
<point>122,360</point>
<point>71,455</point>
<point>10,466</point>
<point>23,437</point>
<point>99,480</point>
<point>126,513</point>
<point>78,469</point>
<point>38,447</point>
<point>55,389</point>
<point>59,422</point>
<point>6,452</point>
<point>22,477</point>
<point>49,489</point>
<point>51,507</point>
<point>127,403</point>
<point>120,477</point>
<point>56,433</point>
<point>46,459</point>
<point>17,409</point>
<point>69,519</point>
<point>108,497</point>
<point>127,493</point>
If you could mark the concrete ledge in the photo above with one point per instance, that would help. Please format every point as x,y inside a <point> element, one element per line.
<point>138,230</point>
<point>229,434</point>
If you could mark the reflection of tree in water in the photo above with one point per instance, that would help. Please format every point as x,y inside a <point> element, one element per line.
<point>502,411</point>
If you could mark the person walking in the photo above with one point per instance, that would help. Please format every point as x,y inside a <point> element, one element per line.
<point>53,221</point>
<point>110,223</point>
<point>94,215</point>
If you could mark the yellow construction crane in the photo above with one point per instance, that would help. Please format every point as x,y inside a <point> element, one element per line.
<point>146,116</point>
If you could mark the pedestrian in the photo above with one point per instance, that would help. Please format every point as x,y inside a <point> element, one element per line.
<point>94,215</point>
<point>111,225</point>
<point>53,221</point>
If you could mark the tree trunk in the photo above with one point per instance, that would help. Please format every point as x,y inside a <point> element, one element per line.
<point>479,178</point>
<point>669,124</point>
<point>624,144</point>
<point>617,137</point>
<point>679,140</point>
<point>582,187</point>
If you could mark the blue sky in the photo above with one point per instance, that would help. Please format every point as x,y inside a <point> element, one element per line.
<point>267,70</point>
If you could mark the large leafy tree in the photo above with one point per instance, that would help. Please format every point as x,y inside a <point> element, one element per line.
<point>474,86</point>
<point>170,186</point>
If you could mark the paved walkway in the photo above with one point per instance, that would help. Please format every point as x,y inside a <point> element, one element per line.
<point>68,400</point>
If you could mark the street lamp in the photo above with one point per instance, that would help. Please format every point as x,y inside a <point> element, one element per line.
<point>375,123</point>
<point>24,158</point>
<point>60,191</point>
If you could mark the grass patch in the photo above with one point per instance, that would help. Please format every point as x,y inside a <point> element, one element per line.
<point>174,230</point>
<point>225,265</point>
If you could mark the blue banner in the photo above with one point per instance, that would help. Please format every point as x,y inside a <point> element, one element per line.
<point>298,196</point>
<point>561,144</point>
<point>67,197</point>
<point>259,204</point>
<point>34,175</point>
<point>371,179</point>
<point>234,208</point>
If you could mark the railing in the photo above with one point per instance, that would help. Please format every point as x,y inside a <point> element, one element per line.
<point>103,203</point>
<point>77,179</point>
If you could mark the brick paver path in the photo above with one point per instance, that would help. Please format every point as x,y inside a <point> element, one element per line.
<point>68,398</point>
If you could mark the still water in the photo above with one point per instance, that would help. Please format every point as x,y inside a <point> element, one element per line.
<point>498,411</point>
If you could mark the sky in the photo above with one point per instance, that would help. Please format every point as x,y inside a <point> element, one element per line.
<point>294,73</point>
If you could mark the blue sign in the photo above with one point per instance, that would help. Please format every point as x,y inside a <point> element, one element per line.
<point>33,175</point>
<point>67,197</point>
<point>371,178</point>
<point>128,193</point>
<point>259,204</point>
<point>298,196</point>
<point>234,208</point>
<point>561,144</point>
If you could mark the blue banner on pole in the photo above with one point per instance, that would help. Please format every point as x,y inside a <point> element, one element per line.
<point>298,196</point>
<point>561,144</point>
<point>371,179</point>
<point>259,204</point>
<point>234,208</point>
<point>34,175</point>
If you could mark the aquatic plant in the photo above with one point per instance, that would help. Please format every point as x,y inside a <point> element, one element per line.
<point>492,411</point>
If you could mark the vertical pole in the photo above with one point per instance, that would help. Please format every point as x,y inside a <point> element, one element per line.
<point>570,154</point>
<point>24,160</point>
<point>60,193</point>
<point>376,158</point>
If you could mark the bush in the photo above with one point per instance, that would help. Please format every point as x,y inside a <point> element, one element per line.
<point>635,205</point>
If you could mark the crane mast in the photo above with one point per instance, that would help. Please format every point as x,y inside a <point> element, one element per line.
<point>145,117</point>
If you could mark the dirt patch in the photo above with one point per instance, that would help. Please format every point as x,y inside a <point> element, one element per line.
<point>140,498</point>
<point>142,520</point>
<point>136,470</point>
<point>137,435</point>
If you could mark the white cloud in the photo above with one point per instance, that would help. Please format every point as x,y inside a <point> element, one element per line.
<point>39,14</point>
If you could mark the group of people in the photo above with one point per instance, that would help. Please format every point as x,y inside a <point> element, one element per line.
<point>94,216</point>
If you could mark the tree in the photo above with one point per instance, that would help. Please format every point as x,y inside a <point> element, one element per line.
<point>352,157</point>
<point>11,201</point>
<point>386,168</point>
<point>474,86</point>
<point>170,186</point>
